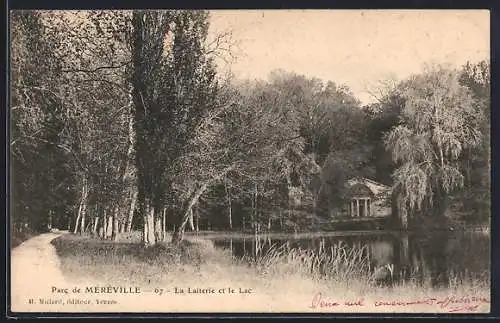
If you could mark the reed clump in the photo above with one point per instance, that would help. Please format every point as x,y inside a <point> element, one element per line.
<point>337,263</point>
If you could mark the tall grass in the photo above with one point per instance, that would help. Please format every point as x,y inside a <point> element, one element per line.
<point>345,265</point>
<point>87,258</point>
<point>284,276</point>
<point>337,263</point>
<point>339,267</point>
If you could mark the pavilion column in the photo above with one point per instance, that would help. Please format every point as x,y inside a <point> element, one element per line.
<point>366,207</point>
<point>352,208</point>
<point>357,207</point>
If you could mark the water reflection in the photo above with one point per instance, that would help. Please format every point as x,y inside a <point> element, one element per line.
<point>434,258</point>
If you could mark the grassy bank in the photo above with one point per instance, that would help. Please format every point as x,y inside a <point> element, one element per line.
<point>84,258</point>
<point>298,273</point>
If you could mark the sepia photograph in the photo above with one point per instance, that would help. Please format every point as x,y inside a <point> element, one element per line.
<point>249,161</point>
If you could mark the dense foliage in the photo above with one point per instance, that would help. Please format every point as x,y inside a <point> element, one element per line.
<point>120,121</point>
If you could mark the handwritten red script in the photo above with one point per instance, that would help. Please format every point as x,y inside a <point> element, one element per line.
<point>448,304</point>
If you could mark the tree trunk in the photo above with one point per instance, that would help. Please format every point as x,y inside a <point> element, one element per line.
<point>131,211</point>
<point>230,213</point>
<point>80,208</point>
<point>128,173</point>
<point>114,232</point>
<point>254,208</point>
<point>179,231</point>
<point>149,227</point>
<point>145,229</point>
<point>103,226</point>
<point>121,227</point>
<point>164,223</point>
<point>158,227</point>
<point>191,219</point>
<point>114,229</point>
<point>82,223</point>
<point>77,222</point>
<point>403,214</point>
<point>96,222</point>
<point>49,224</point>
<point>89,224</point>
<point>109,227</point>
<point>84,203</point>
<point>197,217</point>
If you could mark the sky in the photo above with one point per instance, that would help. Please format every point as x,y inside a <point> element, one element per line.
<point>357,48</point>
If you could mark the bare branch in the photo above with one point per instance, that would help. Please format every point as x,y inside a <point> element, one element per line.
<point>97,68</point>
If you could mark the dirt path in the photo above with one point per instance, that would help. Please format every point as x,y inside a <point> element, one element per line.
<point>34,264</point>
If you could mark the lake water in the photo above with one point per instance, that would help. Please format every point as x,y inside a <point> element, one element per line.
<point>435,257</point>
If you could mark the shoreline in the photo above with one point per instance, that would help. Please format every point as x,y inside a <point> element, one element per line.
<point>164,283</point>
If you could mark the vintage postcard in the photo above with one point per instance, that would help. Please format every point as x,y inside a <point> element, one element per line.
<point>242,161</point>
